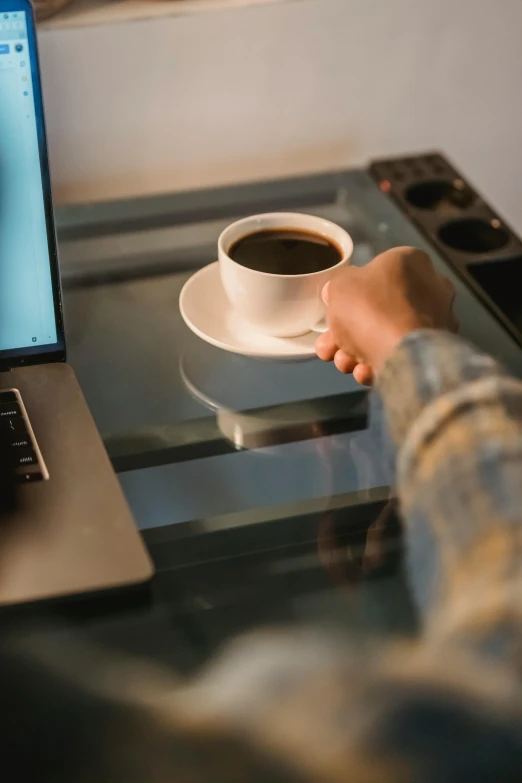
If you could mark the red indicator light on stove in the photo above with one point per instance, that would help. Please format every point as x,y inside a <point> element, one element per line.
<point>385,185</point>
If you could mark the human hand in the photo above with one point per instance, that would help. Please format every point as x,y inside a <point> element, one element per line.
<point>370,309</point>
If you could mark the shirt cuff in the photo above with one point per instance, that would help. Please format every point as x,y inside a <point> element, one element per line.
<point>425,365</point>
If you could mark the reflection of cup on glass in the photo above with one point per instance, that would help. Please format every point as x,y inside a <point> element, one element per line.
<point>274,267</point>
<point>264,428</point>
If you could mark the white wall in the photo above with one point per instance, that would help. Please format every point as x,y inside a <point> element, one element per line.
<point>270,90</point>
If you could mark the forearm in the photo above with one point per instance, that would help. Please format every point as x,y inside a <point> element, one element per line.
<point>456,418</point>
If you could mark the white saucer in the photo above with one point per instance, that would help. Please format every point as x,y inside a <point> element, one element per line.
<point>208,313</point>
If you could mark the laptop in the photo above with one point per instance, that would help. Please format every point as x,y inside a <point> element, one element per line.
<point>71,531</point>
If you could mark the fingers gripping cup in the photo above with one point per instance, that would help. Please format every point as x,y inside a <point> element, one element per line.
<point>273,268</point>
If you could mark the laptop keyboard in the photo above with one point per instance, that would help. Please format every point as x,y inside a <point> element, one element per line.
<point>16,429</point>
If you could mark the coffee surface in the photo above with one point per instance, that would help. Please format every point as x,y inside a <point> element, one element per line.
<point>285,251</point>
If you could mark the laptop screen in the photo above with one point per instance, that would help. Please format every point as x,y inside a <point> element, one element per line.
<point>29,298</point>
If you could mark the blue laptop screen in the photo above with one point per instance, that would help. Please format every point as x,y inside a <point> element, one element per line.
<point>27,307</point>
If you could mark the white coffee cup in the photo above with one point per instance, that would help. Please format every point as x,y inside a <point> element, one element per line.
<point>279,305</point>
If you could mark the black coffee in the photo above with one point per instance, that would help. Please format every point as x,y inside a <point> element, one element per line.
<point>285,251</point>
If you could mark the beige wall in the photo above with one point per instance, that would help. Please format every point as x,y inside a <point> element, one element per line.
<point>274,89</point>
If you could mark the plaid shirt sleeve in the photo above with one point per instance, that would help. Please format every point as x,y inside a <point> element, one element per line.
<point>456,419</point>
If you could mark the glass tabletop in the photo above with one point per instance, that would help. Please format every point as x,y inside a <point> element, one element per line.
<point>257,485</point>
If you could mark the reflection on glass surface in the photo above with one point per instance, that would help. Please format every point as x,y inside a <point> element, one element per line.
<point>262,490</point>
